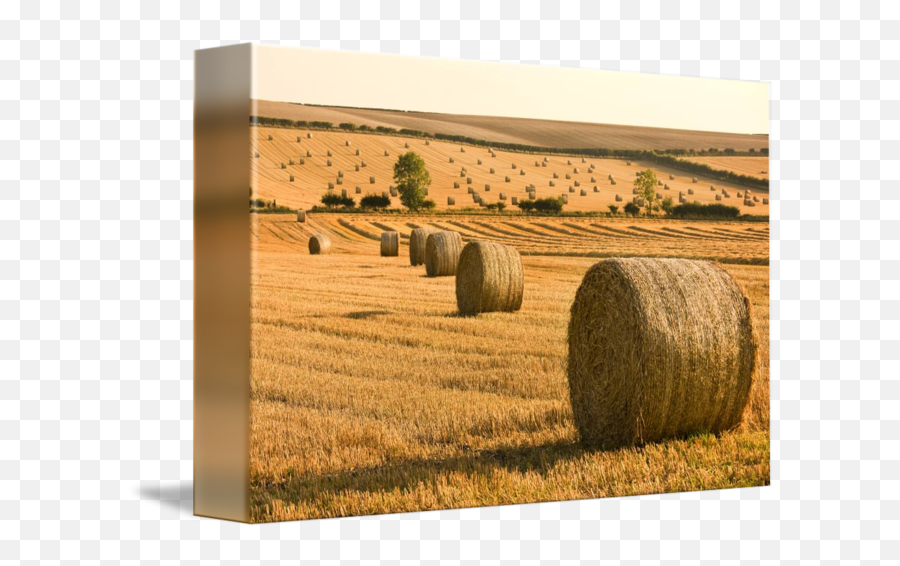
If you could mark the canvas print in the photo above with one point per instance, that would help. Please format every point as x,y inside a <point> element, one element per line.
<point>476,284</point>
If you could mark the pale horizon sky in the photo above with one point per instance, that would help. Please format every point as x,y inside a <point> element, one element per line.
<point>337,78</point>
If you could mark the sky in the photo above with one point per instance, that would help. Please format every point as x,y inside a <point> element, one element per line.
<point>337,78</point>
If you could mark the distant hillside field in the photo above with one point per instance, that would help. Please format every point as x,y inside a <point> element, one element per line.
<point>312,173</point>
<point>750,166</point>
<point>545,133</point>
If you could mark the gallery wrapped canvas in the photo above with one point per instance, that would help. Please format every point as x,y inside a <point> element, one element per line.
<point>382,332</point>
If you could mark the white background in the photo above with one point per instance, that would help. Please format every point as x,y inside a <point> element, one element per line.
<point>96,279</point>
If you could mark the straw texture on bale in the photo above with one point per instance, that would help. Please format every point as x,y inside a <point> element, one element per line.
<point>489,278</point>
<point>390,244</point>
<point>442,251</point>
<point>417,239</point>
<point>658,348</point>
<point>301,216</point>
<point>319,244</point>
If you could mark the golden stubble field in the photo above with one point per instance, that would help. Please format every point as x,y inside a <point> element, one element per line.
<point>370,395</point>
<point>307,161</point>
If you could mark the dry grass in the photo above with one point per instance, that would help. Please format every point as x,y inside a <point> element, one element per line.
<point>312,178</point>
<point>369,394</point>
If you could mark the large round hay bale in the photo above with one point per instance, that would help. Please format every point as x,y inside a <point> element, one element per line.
<point>442,251</point>
<point>319,244</point>
<point>489,278</point>
<point>417,239</point>
<point>301,216</point>
<point>390,244</point>
<point>658,348</point>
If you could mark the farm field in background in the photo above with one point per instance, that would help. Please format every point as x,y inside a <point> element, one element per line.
<point>349,416</point>
<point>312,174</point>
<point>745,165</point>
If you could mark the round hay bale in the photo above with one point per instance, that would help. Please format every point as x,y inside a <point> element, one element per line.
<point>468,180</point>
<point>577,183</point>
<point>356,167</point>
<point>693,179</point>
<point>718,197</point>
<point>372,180</point>
<point>442,251</point>
<point>568,175</point>
<point>347,143</point>
<point>357,151</point>
<point>506,179</point>
<point>283,165</point>
<point>690,191</point>
<point>489,278</point>
<point>256,155</point>
<point>628,163</point>
<point>362,163</point>
<point>270,137</point>
<point>571,189</point>
<point>479,162</point>
<point>386,154</point>
<point>492,170</point>
<point>319,244</point>
<point>330,185</point>
<point>552,184</point>
<point>384,194</point>
<point>565,199</point>
<point>502,196</point>
<point>462,150</point>
<point>765,201</point>
<point>575,170</point>
<point>292,178</point>
<point>513,165</point>
<point>671,177</point>
<point>309,135</point>
<point>390,244</point>
<point>328,163</point>
<point>427,142</point>
<point>451,160</point>
<point>302,161</point>
<point>456,184</point>
<point>358,191</point>
<point>406,145</point>
<point>328,153</point>
<point>417,239</point>
<point>658,348</point>
<point>301,216</point>
<point>298,139</point>
<point>451,201</point>
<point>583,193</point>
<point>596,189</point>
<point>344,193</point>
<point>618,198</point>
<point>515,200</point>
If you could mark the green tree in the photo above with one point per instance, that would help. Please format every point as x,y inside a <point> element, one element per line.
<point>375,201</point>
<point>613,209</point>
<point>412,179</point>
<point>631,209</point>
<point>667,205</point>
<point>331,200</point>
<point>646,183</point>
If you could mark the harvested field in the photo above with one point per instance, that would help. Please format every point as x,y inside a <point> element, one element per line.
<point>349,416</point>
<point>750,166</point>
<point>313,175</point>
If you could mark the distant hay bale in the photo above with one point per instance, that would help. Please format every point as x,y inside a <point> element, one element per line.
<point>659,196</point>
<point>628,163</point>
<point>292,178</point>
<point>718,197</point>
<point>568,162</point>
<point>568,176</point>
<point>347,143</point>
<point>406,145</point>
<point>639,201</point>
<point>357,151</point>
<point>693,179</point>
<point>521,172</point>
<point>659,183</point>
<point>283,166</point>
<point>270,137</point>
<point>634,191</point>
<point>487,188</point>
<point>442,251</point>
<point>618,198</point>
<point>319,244</point>
<point>506,179</point>
<point>593,179</point>
<point>386,153</point>
<point>583,160</point>
<point>658,348</point>
<point>390,244</point>
<point>301,216</point>
<point>451,160</point>
<point>356,167</point>
<point>468,180</point>
<point>298,139</point>
<point>344,193</point>
<point>596,189</point>
<point>290,161</point>
<point>502,196</point>
<point>471,190</point>
<point>358,191</point>
<point>571,189</point>
<point>537,163</point>
<point>712,187</point>
<point>637,173</point>
<point>556,175</point>
<point>612,181</point>
<point>462,150</point>
<point>513,165</point>
<point>755,199</point>
<point>479,162</point>
<point>575,170</point>
<point>256,155</point>
<point>671,177</point>
<point>308,153</point>
<point>328,163</point>
<point>372,180</point>
<point>565,199</point>
<point>765,201</point>
<point>340,180</point>
<point>610,177</point>
<point>393,192</point>
<point>552,184</point>
<point>451,201</point>
<point>330,185</point>
<point>690,191</point>
<point>546,159</point>
<point>309,135</point>
<point>384,194</point>
<point>328,153</point>
<point>515,201</point>
<point>665,187</point>
<point>583,193</point>
<point>577,183</point>
<point>740,194</point>
<point>543,163</point>
<point>427,142</point>
<point>455,184</point>
<point>489,278</point>
<point>302,161</point>
<point>462,172</point>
